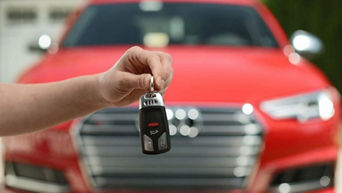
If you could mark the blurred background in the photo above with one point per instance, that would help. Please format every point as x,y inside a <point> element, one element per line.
<point>25,24</point>
<point>322,18</point>
<point>28,27</point>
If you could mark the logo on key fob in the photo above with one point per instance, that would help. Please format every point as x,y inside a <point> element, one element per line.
<point>154,127</point>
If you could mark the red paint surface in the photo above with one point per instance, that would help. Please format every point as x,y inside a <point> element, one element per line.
<point>203,75</point>
<point>212,74</point>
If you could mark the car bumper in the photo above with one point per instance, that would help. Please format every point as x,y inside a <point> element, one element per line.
<point>55,148</point>
<point>326,190</point>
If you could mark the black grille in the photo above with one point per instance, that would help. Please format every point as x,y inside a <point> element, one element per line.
<point>34,178</point>
<point>221,156</point>
<point>34,172</point>
<point>305,178</point>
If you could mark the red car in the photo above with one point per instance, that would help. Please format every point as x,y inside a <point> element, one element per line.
<point>246,113</point>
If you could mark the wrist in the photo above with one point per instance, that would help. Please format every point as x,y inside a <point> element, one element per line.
<point>100,98</point>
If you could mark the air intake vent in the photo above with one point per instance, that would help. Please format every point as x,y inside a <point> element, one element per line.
<point>304,179</point>
<point>35,178</point>
<point>220,156</point>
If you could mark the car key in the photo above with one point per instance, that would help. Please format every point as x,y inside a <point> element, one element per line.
<point>154,126</point>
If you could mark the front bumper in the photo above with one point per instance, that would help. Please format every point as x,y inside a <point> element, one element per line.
<point>285,146</point>
<point>327,190</point>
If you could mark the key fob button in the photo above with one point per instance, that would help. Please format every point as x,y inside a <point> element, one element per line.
<point>148,144</point>
<point>153,132</point>
<point>162,142</point>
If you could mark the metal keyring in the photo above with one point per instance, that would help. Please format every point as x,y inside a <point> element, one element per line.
<point>152,84</point>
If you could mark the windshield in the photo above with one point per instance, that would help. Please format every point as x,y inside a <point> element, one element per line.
<point>170,23</point>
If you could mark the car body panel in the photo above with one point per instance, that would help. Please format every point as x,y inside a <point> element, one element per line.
<point>259,68</point>
<point>204,76</point>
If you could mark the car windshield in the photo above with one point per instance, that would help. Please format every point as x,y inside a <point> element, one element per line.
<point>162,24</point>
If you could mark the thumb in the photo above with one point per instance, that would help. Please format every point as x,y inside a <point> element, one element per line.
<point>137,81</point>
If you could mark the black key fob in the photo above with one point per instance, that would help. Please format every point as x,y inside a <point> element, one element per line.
<point>154,126</point>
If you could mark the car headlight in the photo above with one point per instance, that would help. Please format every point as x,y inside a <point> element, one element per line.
<point>301,107</point>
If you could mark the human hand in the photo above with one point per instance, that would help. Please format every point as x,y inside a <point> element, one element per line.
<point>130,77</point>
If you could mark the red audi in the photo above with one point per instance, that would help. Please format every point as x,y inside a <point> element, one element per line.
<point>246,112</point>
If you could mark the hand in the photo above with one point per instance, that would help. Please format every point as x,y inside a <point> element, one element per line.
<point>130,77</point>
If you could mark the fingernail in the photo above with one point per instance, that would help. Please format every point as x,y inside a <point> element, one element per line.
<point>147,81</point>
<point>160,83</point>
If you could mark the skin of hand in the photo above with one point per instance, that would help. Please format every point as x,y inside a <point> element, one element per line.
<point>28,108</point>
<point>130,77</point>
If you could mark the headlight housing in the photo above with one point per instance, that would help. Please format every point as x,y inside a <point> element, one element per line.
<point>302,107</point>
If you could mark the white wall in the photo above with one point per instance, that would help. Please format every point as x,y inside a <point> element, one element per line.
<point>17,34</point>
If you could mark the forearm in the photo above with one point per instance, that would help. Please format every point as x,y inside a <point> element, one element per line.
<point>27,108</point>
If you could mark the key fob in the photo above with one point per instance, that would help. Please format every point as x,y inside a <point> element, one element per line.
<point>154,126</point>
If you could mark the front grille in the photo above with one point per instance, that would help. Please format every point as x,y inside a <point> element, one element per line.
<point>220,156</point>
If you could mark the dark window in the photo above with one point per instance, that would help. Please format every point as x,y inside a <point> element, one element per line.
<point>21,14</point>
<point>59,14</point>
<point>176,23</point>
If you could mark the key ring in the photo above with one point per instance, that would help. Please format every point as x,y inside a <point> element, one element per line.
<point>152,84</point>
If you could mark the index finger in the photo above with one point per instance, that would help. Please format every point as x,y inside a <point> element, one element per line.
<point>161,68</point>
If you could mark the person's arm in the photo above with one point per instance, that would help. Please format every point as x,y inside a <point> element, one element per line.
<point>28,108</point>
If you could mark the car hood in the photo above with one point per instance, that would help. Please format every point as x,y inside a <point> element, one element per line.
<point>201,74</point>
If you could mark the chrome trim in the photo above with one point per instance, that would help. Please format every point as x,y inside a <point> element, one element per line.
<point>241,140</point>
<point>151,99</point>
<point>152,84</point>
<point>23,183</point>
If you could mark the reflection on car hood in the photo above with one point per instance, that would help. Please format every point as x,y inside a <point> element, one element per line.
<point>201,73</point>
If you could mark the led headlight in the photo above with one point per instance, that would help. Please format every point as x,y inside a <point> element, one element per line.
<point>301,107</point>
